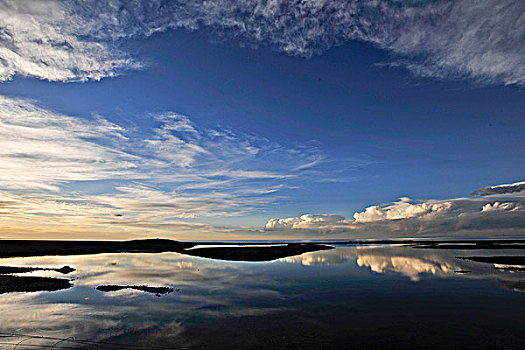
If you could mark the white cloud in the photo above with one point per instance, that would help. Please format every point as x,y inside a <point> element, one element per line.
<point>40,39</point>
<point>58,172</point>
<point>307,221</point>
<point>171,147</point>
<point>501,206</point>
<point>77,40</point>
<point>401,210</point>
<point>40,149</point>
<point>464,216</point>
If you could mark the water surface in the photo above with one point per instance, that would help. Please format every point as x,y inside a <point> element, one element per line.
<point>352,296</point>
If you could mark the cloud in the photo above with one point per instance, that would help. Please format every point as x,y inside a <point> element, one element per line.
<point>79,40</point>
<point>40,149</point>
<point>307,221</point>
<point>502,214</point>
<point>401,210</point>
<point>501,206</point>
<point>501,189</point>
<point>64,173</point>
<point>43,40</point>
<point>170,146</point>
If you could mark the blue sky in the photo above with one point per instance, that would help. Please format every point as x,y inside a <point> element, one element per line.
<point>159,127</point>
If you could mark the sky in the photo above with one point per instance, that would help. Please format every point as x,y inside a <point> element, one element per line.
<point>261,119</point>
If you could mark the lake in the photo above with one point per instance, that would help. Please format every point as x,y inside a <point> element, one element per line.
<point>352,296</point>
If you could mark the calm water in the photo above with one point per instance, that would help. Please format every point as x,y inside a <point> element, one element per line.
<point>348,297</point>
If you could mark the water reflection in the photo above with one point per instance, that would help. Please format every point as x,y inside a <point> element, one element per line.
<point>204,287</point>
<point>421,263</point>
<point>338,256</point>
<point>314,287</point>
<point>408,266</point>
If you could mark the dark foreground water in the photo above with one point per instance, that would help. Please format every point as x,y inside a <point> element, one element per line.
<point>344,298</point>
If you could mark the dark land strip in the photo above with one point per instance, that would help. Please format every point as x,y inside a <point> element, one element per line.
<point>503,260</point>
<point>256,253</point>
<point>155,290</point>
<point>236,251</point>
<point>472,245</point>
<point>16,269</point>
<point>9,283</point>
<point>20,248</point>
<point>516,286</point>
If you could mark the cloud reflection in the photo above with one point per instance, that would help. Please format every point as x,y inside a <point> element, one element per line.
<point>408,266</point>
<point>84,312</point>
<point>415,264</point>
<point>214,290</point>
<point>324,258</point>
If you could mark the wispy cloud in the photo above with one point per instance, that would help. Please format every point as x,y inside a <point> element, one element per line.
<point>499,213</point>
<point>78,40</point>
<point>62,170</point>
<point>44,39</point>
<point>40,149</point>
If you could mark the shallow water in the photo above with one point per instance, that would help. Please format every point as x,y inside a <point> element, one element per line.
<point>348,297</point>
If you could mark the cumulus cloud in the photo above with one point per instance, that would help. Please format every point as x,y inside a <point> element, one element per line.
<point>501,213</point>
<point>305,221</point>
<point>501,206</point>
<point>89,173</point>
<point>78,40</point>
<point>401,210</point>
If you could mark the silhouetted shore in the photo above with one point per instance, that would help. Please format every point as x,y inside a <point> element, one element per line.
<point>142,288</point>
<point>9,284</point>
<point>19,248</point>
<point>238,251</point>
